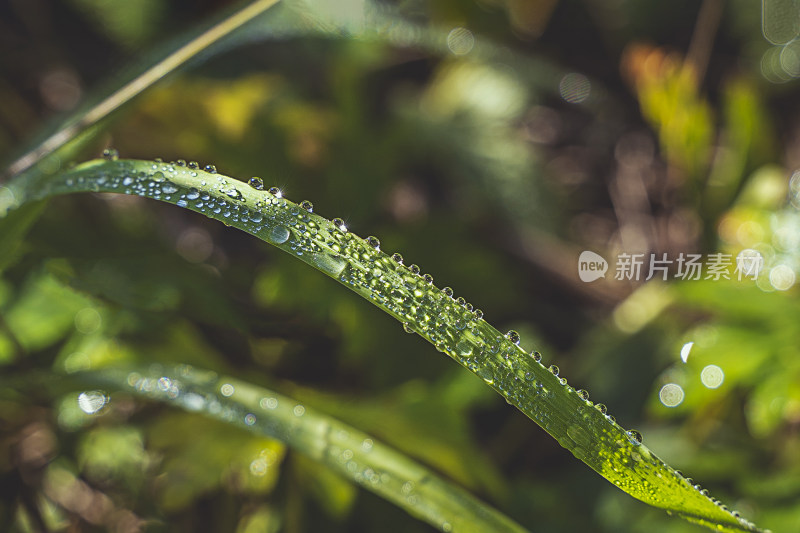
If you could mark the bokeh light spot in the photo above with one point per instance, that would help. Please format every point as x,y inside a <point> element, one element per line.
<point>195,245</point>
<point>460,41</point>
<point>671,395</point>
<point>88,320</point>
<point>712,376</point>
<point>685,350</point>
<point>782,277</point>
<point>575,88</point>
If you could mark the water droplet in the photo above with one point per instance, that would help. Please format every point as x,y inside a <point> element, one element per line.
<point>428,278</point>
<point>211,169</point>
<point>374,242</point>
<point>468,307</point>
<point>249,419</point>
<point>110,154</point>
<point>194,165</point>
<point>274,191</point>
<point>486,374</point>
<point>332,264</point>
<point>278,235</point>
<point>460,301</point>
<point>339,223</point>
<point>414,269</point>
<point>448,292</point>
<point>583,394</point>
<point>554,369</point>
<point>256,183</point>
<point>579,435</point>
<point>193,194</point>
<point>180,162</point>
<point>478,314</point>
<point>91,402</point>
<point>536,356</point>
<point>464,348</point>
<point>408,327</point>
<point>227,390</point>
<point>182,203</point>
<point>397,258</point>
<point>513,336</point>
<point>634,436</point>
<point>299,410</point>
<point>308,206</point>
<point>169,188</point>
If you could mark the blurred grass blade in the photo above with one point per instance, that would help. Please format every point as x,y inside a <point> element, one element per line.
<point>89,116</point>
<point>359,19</point>
<point>353,454</point>
<point>451,325</point>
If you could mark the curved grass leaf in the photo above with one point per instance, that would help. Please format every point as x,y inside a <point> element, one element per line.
<point>453,326</point>
<point>347,451</point>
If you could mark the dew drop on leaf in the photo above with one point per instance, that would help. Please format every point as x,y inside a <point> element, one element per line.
<point>428,278</point>
<point>414,269</point>
<point>308,206</point>
<point>448,292</point>
<point>278,235</point>
<point>194,165</point>
<point>397,258</point>
<point>554,369</point>
<point>110,154</point>
<point>374,242</point>
<point>256,183</point>
<point>274,191</point>
<point>193,194</point>
<point>634,436</point>
<point>513,336</point>
<point>486,374</point>
<point>211,169</point>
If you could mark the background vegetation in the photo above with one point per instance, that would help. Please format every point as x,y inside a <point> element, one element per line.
<point>613,126</point>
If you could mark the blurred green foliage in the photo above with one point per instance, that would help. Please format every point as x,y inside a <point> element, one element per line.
<point>490,181</point>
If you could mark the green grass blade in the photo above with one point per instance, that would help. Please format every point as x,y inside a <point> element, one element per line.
<point>451,325</point>
<point>342,448</point>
